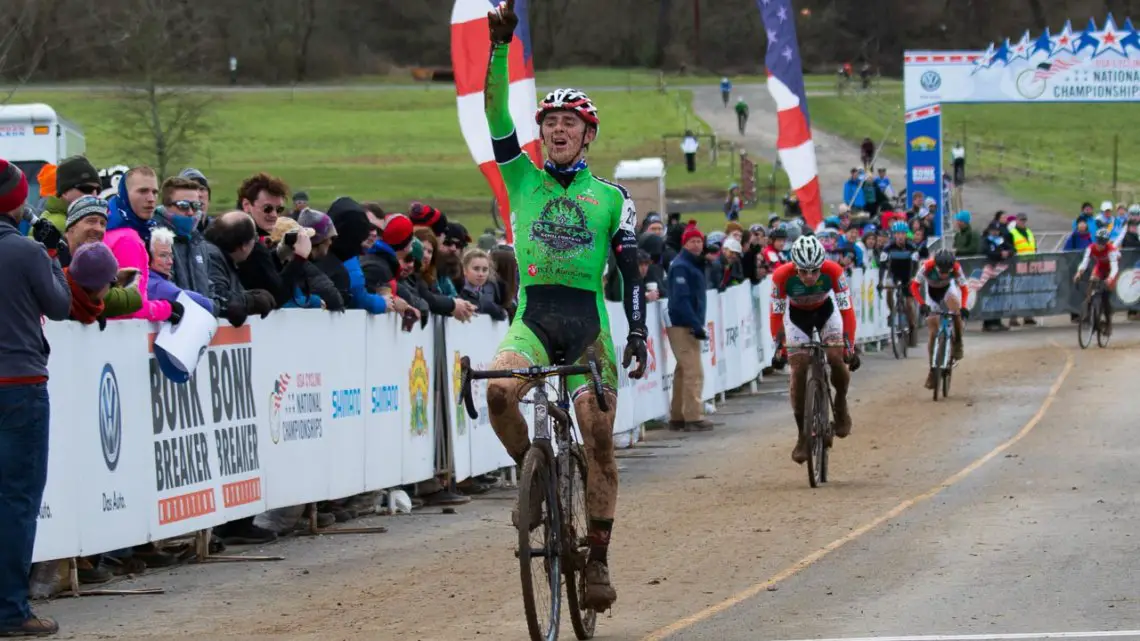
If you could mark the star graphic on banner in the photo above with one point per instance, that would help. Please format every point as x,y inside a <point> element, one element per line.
<point>1001,55</point>
<point>1087,39</point>
<point>1131,38</point>
<point>1110,38</point>
<point>1045,42</point>
<point>782,14</point>
<point>772,38</point>
<point>1021,49</point>
<point>1064,41</point>
<point>983,61</point>
<point>788,54</point>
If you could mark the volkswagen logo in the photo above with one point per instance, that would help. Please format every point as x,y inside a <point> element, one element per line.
<point>931,81</point>
<point>110,417</point>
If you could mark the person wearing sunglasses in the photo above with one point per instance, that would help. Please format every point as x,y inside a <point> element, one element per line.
<point>182,212</point>
<point>75,177</point>
<point>941,284</point>
<point>263,197</point>
<point>808,294</point>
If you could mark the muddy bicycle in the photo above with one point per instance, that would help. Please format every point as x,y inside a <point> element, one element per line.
<point>818,410</point>
<point>942,361</point>
<point>1093,318</point>
<point>552,521</point>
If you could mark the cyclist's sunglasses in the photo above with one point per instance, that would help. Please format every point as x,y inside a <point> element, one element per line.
<point>88,190</point>
<point>187,205</point>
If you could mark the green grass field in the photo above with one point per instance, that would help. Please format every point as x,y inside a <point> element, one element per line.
<point>1053,154</point>
<point>393,146</point>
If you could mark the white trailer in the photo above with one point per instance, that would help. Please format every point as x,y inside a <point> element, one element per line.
<point>34,135</point>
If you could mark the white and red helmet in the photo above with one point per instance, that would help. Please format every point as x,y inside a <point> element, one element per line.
<point>568,100</point>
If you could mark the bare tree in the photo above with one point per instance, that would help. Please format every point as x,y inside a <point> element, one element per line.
<point>159,119</point>
<point>20,55</point>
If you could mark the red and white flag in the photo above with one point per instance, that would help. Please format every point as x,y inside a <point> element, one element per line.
<point>470,56</point>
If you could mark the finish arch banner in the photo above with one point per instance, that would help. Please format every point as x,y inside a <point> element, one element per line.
<point>1096,64</point>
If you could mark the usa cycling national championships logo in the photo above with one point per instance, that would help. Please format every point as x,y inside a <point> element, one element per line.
<point>931,81</point>
<point>110,417</point>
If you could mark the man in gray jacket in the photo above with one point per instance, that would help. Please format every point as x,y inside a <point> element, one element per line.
<point>33,286</point>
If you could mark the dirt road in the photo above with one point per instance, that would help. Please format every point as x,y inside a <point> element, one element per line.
<point>836,156</point>
<point>703,517</point>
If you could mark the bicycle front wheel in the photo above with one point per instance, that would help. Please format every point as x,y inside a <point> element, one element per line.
<point>1102,321</point>
<point>576,546</point>
<point>897,345</point>
<point>1087,324</point>
<point>539,563</point>
<point>936,366</point>
<point>815,422</point>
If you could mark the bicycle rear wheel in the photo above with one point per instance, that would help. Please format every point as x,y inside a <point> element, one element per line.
<point>1088,323</point>
<point>815,422</point>
<point>898,347</point>
<point>539,561</point>
<point>576,546</point>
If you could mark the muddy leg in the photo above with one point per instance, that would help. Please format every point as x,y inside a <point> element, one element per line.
<point>503,406</point>
<point>840,379</point>
<point>601,495</point>
<point>800,364</point>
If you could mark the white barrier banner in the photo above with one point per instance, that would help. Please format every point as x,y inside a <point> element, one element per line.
<point>649,400</point>
<point>385,376</point>
<point>762,305</point>
<point>417,401</point>
<point>711,349</point>
<point>268,420</point>
<point>473,441</point>
<point>207,462</point>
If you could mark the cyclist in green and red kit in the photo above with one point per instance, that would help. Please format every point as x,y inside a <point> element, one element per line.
<point>566,221</point>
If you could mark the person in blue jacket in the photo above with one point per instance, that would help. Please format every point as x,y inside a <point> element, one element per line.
<point>1080,239</point>
<point>686,306</point>
<point>725,89</point>
<point>353,229</point>
<point>853,190</point>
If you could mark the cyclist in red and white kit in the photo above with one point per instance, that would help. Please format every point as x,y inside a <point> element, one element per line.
<point>811,294</point>
<point>941,284</point>
<point>1106,264</point>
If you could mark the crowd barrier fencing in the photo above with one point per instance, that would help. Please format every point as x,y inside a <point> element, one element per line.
<point>1042,284</point>
<point>305,406</point>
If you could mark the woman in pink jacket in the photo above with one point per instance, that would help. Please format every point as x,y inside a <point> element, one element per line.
<point>129,220</point>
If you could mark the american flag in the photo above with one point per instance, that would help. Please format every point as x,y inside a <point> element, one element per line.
<point>280,386</point>
<point>786,84</point>
<point>470,55</point>
<point>1046,70</point>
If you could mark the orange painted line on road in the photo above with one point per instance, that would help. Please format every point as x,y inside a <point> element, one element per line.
<point>811,559</point>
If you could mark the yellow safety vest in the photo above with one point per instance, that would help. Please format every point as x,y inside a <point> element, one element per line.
<point>1023,243</point>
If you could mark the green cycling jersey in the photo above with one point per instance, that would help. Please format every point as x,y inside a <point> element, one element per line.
<point>565,225</point>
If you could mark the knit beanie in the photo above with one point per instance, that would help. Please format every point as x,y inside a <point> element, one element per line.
<point>319,222</point>
<point>300,196</point>
<point>193,174</point>
<point>93,266</point>
<point>398,230</point>
<point>691,232</point>
<point>73,172</point>
<point>427,216</point>
<point>13,188</point>
<point>84,207</point>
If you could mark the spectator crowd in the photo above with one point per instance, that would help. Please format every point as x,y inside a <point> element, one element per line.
<point>102,249</point>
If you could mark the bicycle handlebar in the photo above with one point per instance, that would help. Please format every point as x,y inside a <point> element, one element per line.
<point>533,374</point>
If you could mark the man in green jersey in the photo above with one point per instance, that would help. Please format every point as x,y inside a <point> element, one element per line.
<point>565,221</point>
